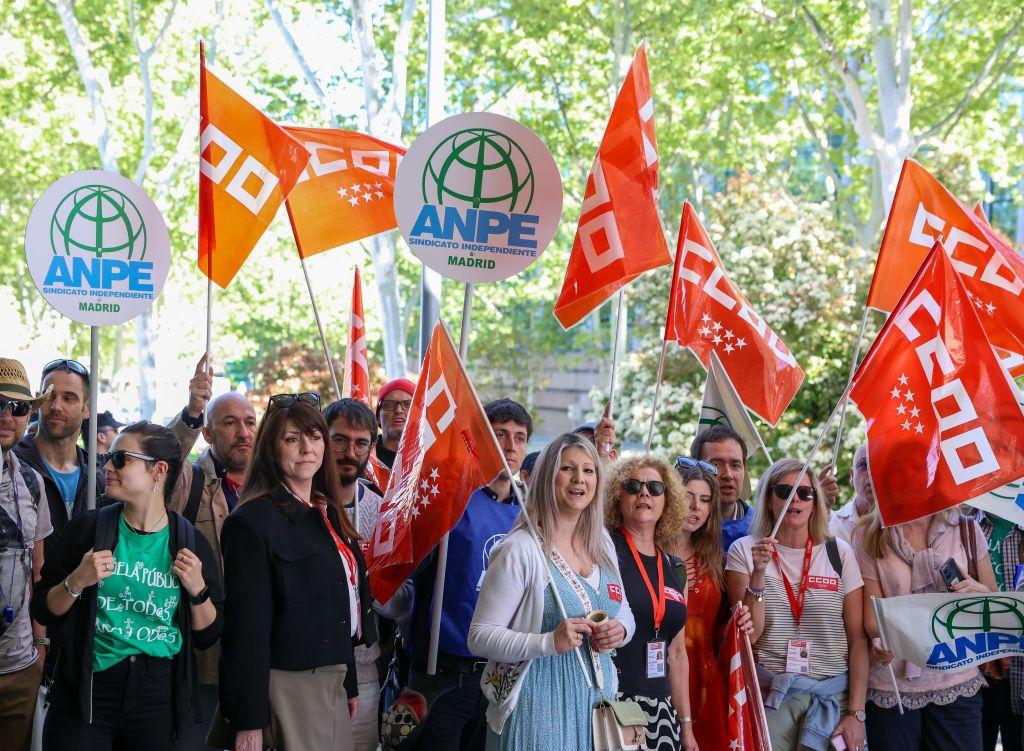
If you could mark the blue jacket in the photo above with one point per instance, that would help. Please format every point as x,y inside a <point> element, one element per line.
<point>734,529</point>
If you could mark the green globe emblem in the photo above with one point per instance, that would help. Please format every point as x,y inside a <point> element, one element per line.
<point>482,167</point>
<point>98,219</point>
<point>973,614</point>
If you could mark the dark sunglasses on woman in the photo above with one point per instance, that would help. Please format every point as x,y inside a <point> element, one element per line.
<point>654,487</point>
<point>18,408</point>
<point>283,401</point>
<point>685,461</point>
<point>65,364</point>
<point>120,457</point>
<point>803,492</point>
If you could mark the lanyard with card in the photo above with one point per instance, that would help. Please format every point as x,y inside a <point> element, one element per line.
<point>656,647</point>
<point>796,602</point>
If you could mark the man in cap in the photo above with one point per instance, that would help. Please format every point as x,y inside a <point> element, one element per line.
<point>54,451</point>
<point>106,431</point>
<point>393,403</point>
<point>24,523</point>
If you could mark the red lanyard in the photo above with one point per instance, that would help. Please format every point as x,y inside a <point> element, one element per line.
<point>343,549</point>
<point>796,603</point>
<point>657,600</point>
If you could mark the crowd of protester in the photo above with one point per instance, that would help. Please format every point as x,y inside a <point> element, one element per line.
<point>225,603</point>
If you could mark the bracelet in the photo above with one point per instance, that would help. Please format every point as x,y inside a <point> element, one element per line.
<point>40,641</point>
<point>686,720</point>
<point>758,594</point>
<point>67,588</point>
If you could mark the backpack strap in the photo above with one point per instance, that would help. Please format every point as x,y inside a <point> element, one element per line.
<point>195,493</point>
<point>679,569</point>
<point>185,533</point>
<point>106,526</point>
<point>832,549</point>
<point>31,481</point>
<point>185,537</point>
<point>970,546</point>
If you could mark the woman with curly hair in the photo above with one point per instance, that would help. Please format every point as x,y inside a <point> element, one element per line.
<point>644,513</point>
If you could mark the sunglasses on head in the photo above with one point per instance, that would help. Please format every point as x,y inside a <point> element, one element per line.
<point>686,462</point>
<point>18,408</point>
<point>284,401</point>
<point>803,492</point>
<point>65,364</point>
<point>120,457</point>
<point>654,487</point>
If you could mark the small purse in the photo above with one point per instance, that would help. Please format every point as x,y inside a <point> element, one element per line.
<point>618,726</point>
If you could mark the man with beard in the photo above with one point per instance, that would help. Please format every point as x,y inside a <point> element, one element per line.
<point>393,403</point>
<point>54,451</point>
<point>207,491</point>
<point>352,430</point>
<point>24,523</point>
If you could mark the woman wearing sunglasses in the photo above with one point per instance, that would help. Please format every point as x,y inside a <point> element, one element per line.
<point>699,544</point>
<point>805,592</point>
<point>133,588</point>
<point>644,512</point>
<point>297,597</point>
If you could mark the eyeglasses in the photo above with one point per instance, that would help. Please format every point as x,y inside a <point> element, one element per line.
<point>685,461</point>
<point>283,401</point>
<point>119,457</point>
<point>18,408</point>
<point>391,405</point>
<point>803,492</point>
<point>654,487</point>
<point>342,442</point>
<point>65,364</point>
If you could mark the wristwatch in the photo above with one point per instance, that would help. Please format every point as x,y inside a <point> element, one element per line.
<point>858,713</point>
<point>200,598</point>
<point>69,590</point>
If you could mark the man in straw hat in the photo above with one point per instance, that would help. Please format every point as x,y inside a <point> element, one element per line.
<point>24,522</point>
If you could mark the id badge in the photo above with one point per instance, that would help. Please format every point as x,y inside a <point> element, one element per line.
<point>656,659</point>
<point>798,657</point>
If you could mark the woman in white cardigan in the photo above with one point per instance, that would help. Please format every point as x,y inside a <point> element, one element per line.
<point>548,671</point>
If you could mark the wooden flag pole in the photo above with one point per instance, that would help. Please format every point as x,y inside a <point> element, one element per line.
<point>442,546</point>
<point>517,491</point>
<point>657,393</point>
<point>807,462</point>
<point>849,380</point>
<point>320,327</point>
<point>94,398</point>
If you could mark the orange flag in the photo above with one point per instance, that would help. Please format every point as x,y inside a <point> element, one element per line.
<point>357,371</point>
<point>247,165</point>
<point>707,312</point>
<point>619,235</point>
<point>345,192</point>
<point>944,419</point>
<point>922,212</point>
<point>447,451</point>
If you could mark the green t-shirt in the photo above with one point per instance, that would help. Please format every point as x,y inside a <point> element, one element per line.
<point>137,605</point>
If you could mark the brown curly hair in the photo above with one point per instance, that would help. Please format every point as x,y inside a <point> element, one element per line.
<point>671,521</point>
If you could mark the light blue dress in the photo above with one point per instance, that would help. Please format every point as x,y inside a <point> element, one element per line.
<point>554,706</point>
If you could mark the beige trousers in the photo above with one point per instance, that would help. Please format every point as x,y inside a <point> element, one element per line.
<point>309,710</point>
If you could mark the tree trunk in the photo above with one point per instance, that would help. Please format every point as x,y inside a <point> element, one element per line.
<point>382,252</point>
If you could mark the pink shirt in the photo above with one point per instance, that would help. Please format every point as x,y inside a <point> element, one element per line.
<point>920,686</point>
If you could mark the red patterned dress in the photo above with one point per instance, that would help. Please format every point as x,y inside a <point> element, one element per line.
<point>707,687</point>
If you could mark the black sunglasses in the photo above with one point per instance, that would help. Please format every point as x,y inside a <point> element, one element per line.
<point>686,462</point>
<point>18,408</point>
<point>283,401</point>
<point>65,364</point>
<point>803,492</point>
<point>654,487</point>
<point>120,457</point>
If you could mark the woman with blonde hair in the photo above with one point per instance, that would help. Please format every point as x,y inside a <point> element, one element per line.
<point>643,511</point>
<point>942,708</point>
<point>537,609</point>
<point>806,595</point>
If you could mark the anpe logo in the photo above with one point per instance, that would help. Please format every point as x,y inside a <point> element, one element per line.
<point>984,625</point>
<point>478,197</point>
<point>97,247</point>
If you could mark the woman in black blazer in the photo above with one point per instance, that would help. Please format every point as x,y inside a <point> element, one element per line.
<point>297,600</point>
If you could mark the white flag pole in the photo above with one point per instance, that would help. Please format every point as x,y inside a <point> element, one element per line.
<point>442,546</point>
<point>517,491</point>
<point>94,398</point>
<point>849,380</point>
<point>320,328</point>
<point>762,717</point>
<point>807,462</point>
<point>615,356</point>
<point>657,393</point>
<point>885,646</point>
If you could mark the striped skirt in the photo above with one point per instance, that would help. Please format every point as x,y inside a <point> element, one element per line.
<point>662,722</point>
